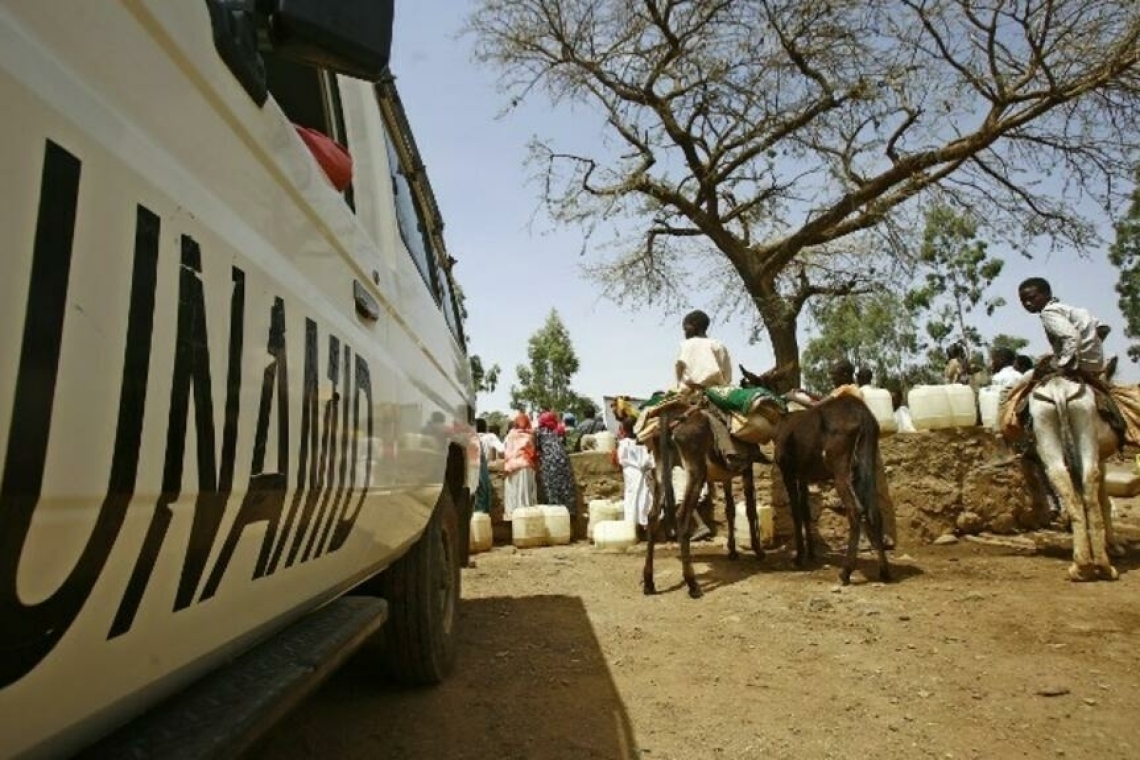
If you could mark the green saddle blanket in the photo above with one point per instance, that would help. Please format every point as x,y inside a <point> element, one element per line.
<point>732,398</point>
<point>728,398</point>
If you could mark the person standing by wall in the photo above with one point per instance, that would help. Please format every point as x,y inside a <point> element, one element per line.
<point>636,464</point>
<point>958,369</point>
<point>556,476</point>
<point>590,425</point>
<point>520,488</point>
<point>1001,364</point>
<point>490,448</point>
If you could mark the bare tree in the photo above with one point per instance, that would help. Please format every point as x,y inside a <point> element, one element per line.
<point>775,134</point>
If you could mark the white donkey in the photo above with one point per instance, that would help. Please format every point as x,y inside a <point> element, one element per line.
<point>1073,441</point>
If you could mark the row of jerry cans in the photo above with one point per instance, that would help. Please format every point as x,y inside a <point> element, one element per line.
<point>941,406</point>
<point>547,525</point>
<point>542,525</point>
<point>933,407</point>
<point>608,528</point>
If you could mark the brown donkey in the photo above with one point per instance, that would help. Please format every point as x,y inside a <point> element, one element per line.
<point>684,436</point>
<point>836,440</point>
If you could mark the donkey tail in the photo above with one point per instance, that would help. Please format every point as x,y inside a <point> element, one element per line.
<point>1068,440</point>
<point>866,467</point>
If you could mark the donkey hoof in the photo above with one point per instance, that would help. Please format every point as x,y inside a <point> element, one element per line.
<point>759,554</point>
<point>1116,551</point>
<point>845,577</point>
<point>695,591</point>
<point>648,588</point>
<point>1107,573</point>
<point>1082,573</point>
<point>734,555</point>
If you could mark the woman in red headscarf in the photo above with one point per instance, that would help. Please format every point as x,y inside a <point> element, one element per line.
<point>556,476</point>
<point>519,460</point>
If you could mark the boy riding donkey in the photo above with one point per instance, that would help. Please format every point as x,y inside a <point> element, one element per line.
<point>704,362</point>
<point>1076,338</point>
<point>703,365</point>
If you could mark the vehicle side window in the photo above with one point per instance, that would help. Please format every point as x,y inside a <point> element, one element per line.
<point>408,219</point>
<point>310,98</point>
<point>450,312</point>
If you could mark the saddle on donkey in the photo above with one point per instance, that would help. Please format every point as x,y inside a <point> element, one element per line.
<point>741,418</point>
<point>1118,405</point>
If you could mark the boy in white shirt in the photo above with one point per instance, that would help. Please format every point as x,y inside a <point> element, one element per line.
<point>702,362</point>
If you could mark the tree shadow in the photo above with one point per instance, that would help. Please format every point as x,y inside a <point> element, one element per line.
<point>531,682</point>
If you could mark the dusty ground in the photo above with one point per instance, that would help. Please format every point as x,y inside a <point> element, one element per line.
<point>978,650</point>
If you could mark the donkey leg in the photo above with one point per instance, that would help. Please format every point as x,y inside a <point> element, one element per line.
<point>876,518</point>
<point>685,521</point>
<point>653,525</point>
<point>1082,568</point>
<point>1098,534</point>
<point>805,541</point>
<point>877,536</point>
<point>792,492</point>
<point>748,485</point>
<point>854,523</point>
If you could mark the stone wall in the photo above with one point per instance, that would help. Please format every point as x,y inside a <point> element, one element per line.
<point>961,480</point>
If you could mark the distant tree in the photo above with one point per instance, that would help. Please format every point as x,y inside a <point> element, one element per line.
<point>957,272</point>
<point>874,330</point>
<point>545,383</point>
<point>759,139</point>
<point>1012,342</point>
<point>1125,256</point>
<point>498,422</point>
<point>484,380</point>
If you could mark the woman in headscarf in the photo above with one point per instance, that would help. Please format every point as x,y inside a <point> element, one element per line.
<point>556,477</point>
<point>519,459</point>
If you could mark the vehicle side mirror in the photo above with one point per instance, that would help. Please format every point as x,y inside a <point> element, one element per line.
<point>352,37</point>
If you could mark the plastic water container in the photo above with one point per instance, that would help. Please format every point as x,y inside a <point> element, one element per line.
<point>601,510</point>
<point>930,407</point>
<point>605,441</point>
<point>1122,482</point>
<point>989,403</point>
<point>557,520</point>
<point>614,534</point>
<point>767,526</point>
<point>963,405</point>
<point>481,537</point>
<point>878,400</point>
<point>528,527</point>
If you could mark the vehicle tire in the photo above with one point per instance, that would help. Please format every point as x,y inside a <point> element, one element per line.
<point>422,590</point>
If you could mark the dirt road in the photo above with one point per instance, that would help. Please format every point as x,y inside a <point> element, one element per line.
<point>975,651</point>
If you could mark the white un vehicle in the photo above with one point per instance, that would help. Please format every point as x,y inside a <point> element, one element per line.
<point>235,401</point>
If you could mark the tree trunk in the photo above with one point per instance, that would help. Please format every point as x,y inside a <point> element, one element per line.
<point>780,318</point>
<point>786,347</point>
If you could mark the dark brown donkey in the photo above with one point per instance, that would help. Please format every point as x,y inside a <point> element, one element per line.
<point>685,437</point>
<point>836,440</point>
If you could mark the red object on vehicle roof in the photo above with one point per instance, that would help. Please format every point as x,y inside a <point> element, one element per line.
<point>331,155</point>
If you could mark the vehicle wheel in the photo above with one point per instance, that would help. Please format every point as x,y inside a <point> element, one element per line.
<point>422,590</point>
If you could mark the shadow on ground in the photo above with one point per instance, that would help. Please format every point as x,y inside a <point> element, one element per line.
<point>531,682</point>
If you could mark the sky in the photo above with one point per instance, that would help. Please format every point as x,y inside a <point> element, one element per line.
<point>514,265</point>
